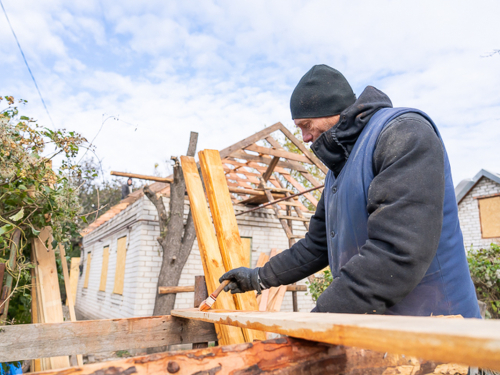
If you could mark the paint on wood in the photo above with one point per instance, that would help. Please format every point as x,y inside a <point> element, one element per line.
<point>247,250</point>
<point>226,228</point>
<point>104,269</point>
<point>74,273</point>
<point>175,289</point>
<point>50,295</point>
<point>472,342</point>
<point>121,257</point>
<point>209,249</point>
<point>489,212</point>
<point>87,270</point>
<point>29,341</point>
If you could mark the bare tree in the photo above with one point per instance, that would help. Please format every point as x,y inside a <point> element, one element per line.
<point>176,237</point>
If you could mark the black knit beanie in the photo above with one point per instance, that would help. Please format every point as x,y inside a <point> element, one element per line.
<point>322,92</point>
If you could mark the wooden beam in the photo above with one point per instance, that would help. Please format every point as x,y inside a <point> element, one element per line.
<point>473,342</point>
<point>278,153</point>
<point>264,160</point>
<point>175,289</point>
<point>143,177</point>
<point>301,189</point>
<point>213,265</point>
<point>50,295</point>
<point>250,140</point>
<point>252,165</point>
<point>30,341</point>
<point>226,228</point>
<point>308,154</point>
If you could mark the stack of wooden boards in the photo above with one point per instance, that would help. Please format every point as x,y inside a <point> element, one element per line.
<point>221,250</point>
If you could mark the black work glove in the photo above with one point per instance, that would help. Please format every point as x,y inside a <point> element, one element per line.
<point>242,280</point>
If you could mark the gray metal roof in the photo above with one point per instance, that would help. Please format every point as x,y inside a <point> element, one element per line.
<point>466,185</point>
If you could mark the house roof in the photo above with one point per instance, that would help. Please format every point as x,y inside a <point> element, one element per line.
<point>246,164</point>
<point>467,184</point>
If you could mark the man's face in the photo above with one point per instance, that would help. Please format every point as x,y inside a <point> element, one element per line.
<point>312,128</point>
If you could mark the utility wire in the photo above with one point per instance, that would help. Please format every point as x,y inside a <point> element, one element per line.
<point>26,62</point>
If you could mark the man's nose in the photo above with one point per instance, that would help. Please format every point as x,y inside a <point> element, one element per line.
<point>307,137</point>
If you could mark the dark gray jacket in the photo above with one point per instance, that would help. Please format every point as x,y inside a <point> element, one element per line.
<point>408,151</point>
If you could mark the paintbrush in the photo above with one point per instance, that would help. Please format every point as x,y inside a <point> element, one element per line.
<point>207,304</point>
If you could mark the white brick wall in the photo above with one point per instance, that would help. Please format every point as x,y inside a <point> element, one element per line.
<point>144,260</point>
<point>468,213</point>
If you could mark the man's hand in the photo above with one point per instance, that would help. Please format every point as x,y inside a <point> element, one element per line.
<point>242,280</point>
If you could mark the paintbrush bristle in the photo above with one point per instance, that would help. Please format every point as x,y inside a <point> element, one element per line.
<point>207,304</point>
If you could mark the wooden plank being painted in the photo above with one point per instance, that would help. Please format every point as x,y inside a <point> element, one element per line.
<point>226,228</point>
<point>472,342</point>
<point>29,341</point>
<point>279,356</point>
<point>50,295</point>
<point>209,249</point>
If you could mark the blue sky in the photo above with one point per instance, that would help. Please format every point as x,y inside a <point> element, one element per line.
<point>226,69</point>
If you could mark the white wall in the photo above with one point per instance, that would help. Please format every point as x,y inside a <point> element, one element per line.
<point>144,260</point>
<point>468,213</point>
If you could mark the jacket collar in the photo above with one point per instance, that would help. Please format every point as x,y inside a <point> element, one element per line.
<point>334,146</point>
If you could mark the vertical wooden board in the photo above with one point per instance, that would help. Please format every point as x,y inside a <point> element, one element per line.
<point>489,212</point>
<point>50,296</point>
<point>226,227</point>
<point>262,298</point>
<point>104,269</point>
<point>73,278</point>
<point>209,250</point>
<point>247,250</point>
<point>36,363</point>
<point>87,270</point>
<point>121,255</point>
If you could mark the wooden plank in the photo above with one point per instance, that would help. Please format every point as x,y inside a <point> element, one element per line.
<point>36,364</point>
<point>278,153</point>
<point>252,165</point>
<point>489,215</point>
<point>296,288</point>
<point>226,228</point>
<point>213,265</point>
<point>87,270</point>
<point>265,160</point>
<point>50,295</point>
<point>74,273</point>
<point>250,140</point>
<point>69,297</point>
<point>121,259</point>
<point>276,294</point>
<point>308,154</point>
<point>104,269</point>
<point>295,218</point>
<point>284,356</point>
<point>473,342</point>
<point>247,250</point>
<point>175,289</point>
<point>300,188</point>
<point>29,341</point>
<point>143,177</point>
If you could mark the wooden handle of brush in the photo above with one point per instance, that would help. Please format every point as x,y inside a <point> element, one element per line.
<point>219,288</point>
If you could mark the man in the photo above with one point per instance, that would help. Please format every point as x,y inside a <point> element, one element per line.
<point>387,221</point>
<point>127,188</point>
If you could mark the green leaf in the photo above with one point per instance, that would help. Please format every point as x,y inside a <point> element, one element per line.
<point>24,118</point>
<point>5,228</point>
<point>84,219</point>
<point>18,216</point>
<point>35,232</point>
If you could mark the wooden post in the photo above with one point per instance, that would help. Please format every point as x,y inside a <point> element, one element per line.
<point>200,295</point>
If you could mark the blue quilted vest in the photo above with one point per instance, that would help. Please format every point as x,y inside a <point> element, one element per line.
<point>446,288</point>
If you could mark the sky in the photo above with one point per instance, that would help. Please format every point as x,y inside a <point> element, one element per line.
<point>156,70</point>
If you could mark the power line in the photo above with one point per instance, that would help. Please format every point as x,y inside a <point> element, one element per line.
<point>26,62</point>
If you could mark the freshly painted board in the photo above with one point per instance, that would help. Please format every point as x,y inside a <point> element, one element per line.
<point>472,342</point>
<point>104,269</point>
<point>209,249</point>
<point>226,228</point>
<point>121,257</point>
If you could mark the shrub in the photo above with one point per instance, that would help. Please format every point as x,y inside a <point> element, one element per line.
<point>484,265</point>
<point>319,284</point>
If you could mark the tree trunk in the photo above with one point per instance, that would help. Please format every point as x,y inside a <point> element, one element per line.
<point>176,238</point>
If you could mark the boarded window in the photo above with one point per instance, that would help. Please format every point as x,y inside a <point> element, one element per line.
<point>104,269</point>
<point>247,250</point>
<point>489,212</point>
<point>87,271</point>
<point>121,253</point>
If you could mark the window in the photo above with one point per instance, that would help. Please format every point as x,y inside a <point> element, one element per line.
<point>87,271</point>
<point>489,214</point>
<point>104,269</point>
<point>247,250</point>
<point>121,253</point>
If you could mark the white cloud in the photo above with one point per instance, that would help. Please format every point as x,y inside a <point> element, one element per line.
<point>225,68</point>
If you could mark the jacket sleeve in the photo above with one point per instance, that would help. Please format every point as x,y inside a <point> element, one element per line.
<point>304,258</point>
<point>405,207</point>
